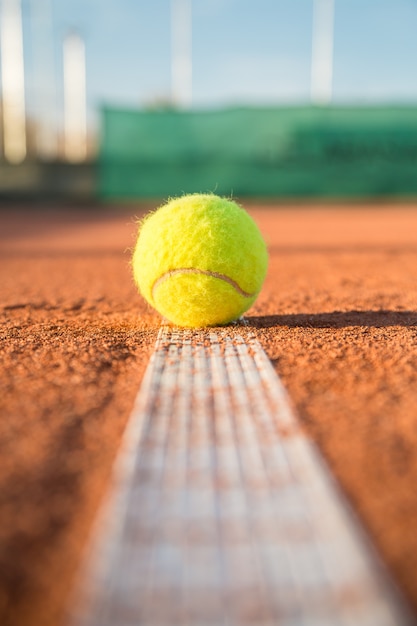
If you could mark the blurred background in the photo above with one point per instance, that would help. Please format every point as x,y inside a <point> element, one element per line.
<point>129,99</point>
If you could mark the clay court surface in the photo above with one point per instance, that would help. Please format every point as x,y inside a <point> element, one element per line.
<point>337,317</point>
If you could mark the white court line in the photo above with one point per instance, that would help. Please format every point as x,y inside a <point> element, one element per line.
<point>222,511</point>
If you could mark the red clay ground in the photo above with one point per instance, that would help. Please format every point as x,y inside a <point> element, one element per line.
<point>337,316</point>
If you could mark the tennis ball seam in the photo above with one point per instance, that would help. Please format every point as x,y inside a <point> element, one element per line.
<point>193,270</point>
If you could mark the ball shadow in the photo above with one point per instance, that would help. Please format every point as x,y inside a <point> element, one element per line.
<point>336,319</point>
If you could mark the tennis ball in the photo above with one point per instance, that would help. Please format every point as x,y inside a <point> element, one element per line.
<point>200,260</point>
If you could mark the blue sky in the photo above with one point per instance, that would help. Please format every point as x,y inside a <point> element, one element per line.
<point>244,51</point>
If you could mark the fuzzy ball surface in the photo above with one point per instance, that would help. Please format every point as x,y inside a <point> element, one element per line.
<point>200,260</point>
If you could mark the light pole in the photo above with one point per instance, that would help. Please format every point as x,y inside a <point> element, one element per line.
<point>181,52</point>
<point>322,52</point>
<point>75,105</point>
<point>13,81</point>
<point>44,92</point>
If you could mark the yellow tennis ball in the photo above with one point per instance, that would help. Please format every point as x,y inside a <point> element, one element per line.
<point>200,260</point>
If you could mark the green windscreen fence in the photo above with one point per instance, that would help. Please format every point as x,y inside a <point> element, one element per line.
<point>259,152</point>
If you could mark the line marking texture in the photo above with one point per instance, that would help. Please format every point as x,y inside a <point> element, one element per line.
<point>221,510</point>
